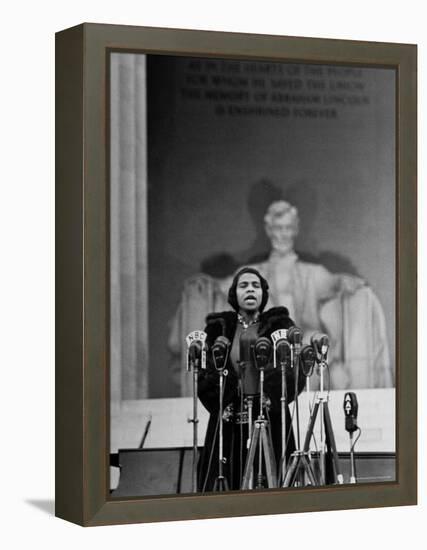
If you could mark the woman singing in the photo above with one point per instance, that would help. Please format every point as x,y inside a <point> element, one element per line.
<point>248,296</point>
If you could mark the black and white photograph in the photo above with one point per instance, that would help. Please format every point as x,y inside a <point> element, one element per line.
<point>252,274</point>
<point>213,252</point>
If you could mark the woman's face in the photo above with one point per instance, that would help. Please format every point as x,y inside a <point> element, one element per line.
<point>249,292</point>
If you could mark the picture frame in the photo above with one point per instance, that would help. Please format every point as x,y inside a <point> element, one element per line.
<point>82,273</point>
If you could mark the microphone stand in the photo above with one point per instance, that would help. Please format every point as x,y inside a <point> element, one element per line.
<point>193,364</point>
<point>295,338</point>
<point>310,410</point>
<point>326,431</point>
<point>261,440</point>
<point>250,404</point>
<point>322,404</point>
<point>260,477</point>
<point>352,463</point>
<point>300,466</point>
<point>295,366</point>
<point>300,458</point>
<point>283,401</point>
<point>280,344</point>
<point>195,422</point>
<point>307,361</point>
<point>221,482</point>
<point>220,358</point>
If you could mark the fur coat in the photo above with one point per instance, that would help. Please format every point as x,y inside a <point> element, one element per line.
<point>234,434</point>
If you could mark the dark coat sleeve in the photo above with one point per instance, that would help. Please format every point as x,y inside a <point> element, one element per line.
<point>208,380</point>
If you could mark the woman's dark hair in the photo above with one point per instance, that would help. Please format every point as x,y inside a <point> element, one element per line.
<point>232,295</point>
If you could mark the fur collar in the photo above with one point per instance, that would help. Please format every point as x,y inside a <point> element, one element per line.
<point>225,322</point>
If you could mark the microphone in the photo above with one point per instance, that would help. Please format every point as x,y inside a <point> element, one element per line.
<point>308,360</point>
<point>196,354</point>
<point>220,351</point>
<point>282,354</point>
<point>295,339</point>
<point>280,340</point>
<point>320,343</point>
<point>351,408</point>
<point>262,352</point>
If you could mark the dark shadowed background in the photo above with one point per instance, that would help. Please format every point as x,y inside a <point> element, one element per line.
<point>226,138</point>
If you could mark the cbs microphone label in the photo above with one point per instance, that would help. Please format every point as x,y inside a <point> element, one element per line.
<point>280,334</point>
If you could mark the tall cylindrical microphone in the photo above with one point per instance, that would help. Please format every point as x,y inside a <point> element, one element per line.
<point>295,339</point>
<point>282,354</point>
<point>196,359</point>
<point>280,337</point>
<point>320,343</point>
<point>262,352</point>
<point>220,350</point>
<point>248,373</point>
<point>196,353</point>
<point>307,360</point>
<point>307,364</point>
<point>351,408</point>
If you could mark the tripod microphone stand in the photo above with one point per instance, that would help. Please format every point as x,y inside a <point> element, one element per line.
<point>196,358</point>
<point>300,458</point>
<point>261,440</point>
<point>320,343</point>
<point>246,347</point>
<point>220,351</point>
<point>300,467</point>
<point>307,363</point>
<point>282,355</point>
<point>295,340</point>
